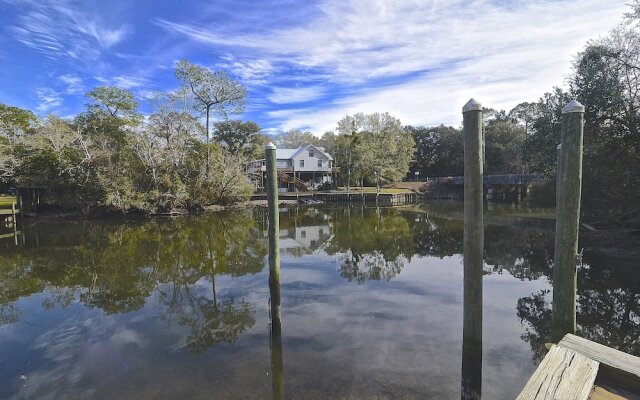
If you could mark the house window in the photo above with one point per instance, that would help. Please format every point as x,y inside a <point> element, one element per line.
<point>320,163</point>
<point>302,163</point>
<point>303,234</point>
<point>311,153</point>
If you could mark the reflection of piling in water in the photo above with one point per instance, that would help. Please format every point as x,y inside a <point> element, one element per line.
<point>471,371</point>
<point>277,375</point>
<point>277,378</point>
<point>569,190</point>
<point>473,243</point>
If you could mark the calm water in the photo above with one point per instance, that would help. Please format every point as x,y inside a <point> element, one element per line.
<point>371,305</point>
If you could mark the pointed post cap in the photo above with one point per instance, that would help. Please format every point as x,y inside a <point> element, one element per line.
<point>573,107</point>
<point>270,146</point>
<point>472,105</point>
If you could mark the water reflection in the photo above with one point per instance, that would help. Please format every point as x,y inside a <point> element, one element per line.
<point>608,300</point>
<point>471,370</point>
<point>117,268</point>
<point>372,296</point>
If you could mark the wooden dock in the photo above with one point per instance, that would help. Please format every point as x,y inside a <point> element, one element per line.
<point>570,369</point>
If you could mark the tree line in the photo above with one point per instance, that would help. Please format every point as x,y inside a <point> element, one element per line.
<point>111,156</point>
<point>606,80</point>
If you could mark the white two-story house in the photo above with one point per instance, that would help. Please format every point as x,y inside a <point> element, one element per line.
<point>304,168</point>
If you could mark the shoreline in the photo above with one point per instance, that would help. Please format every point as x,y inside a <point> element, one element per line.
<point>610,242</point>
<point>52,214</point>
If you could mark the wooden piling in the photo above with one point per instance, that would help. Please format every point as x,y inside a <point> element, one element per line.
<point>558,169</point>
<point>473,242</point>
<point>274,222</point>
<point>567,221</point>
<point>277,379</point>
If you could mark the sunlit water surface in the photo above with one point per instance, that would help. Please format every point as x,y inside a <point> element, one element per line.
<point>371,305</point>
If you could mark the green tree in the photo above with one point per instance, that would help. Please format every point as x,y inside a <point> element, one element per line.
<point>211,91</point>
<point>14,124</point>
<point>114,101</point>
<point>379,147</point>
<point>236,136</point>
<point>295,138</point>
<point>524,113</point>
<point>539,150</point>
<point>328,142</point>
<point>503,146</point>
<point>607,81</point>
<point>439,151</point>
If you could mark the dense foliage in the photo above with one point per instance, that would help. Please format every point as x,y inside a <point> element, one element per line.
<point>371,147</point>
<point>110,157</point>
<point>606,80</point>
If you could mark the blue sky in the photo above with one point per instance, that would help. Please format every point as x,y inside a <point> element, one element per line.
<point>305,63</point>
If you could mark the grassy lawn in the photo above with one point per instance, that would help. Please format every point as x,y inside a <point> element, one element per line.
<point>5,201</point>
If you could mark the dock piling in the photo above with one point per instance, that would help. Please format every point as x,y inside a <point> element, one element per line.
<point>473,243</point>
<point>277,378</point>
<point>569,187</point>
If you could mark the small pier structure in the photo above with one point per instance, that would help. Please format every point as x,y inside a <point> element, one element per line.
<point>570,368</point>
<point>9,221</point>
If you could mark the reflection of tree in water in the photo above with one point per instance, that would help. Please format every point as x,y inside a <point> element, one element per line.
<point>608,307</point>
<point>370,267</point>
<point>372,244</point>
<point>222,322</point>
<point>116,267</point>
<point>211,321</point>
<point>526,254</point>
<point>609,302</point>
<point>436,236</point>
<point>535,311</point>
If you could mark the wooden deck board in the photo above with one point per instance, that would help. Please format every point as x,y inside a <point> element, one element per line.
<point>563,374</point>
<point>609,358</point>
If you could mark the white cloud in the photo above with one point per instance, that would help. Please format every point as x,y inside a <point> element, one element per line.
<point>128,82</point>
<point>283,95</point>
<point>48,99</point>
<point>60,29</point>
<point>105,36</point>
<point>254,71</point>
<point>73,82</point>
<point>419,60</point>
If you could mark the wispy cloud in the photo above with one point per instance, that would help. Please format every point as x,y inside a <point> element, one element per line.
<point>421,60</point>
<point>47,99</point>
<point>284,95</point>
<point>60,29</point>
<point>106,37</point>
<point>73,82</point>
<point>251,70</point>
<point>129,82</point>
<point>306,64</point>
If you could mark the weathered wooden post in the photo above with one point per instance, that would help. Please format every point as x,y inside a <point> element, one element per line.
<point>569,188</point>
<point>558,169</point>
<point>277,380</point>
<point>274,222</point>
<point>473,242</point>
